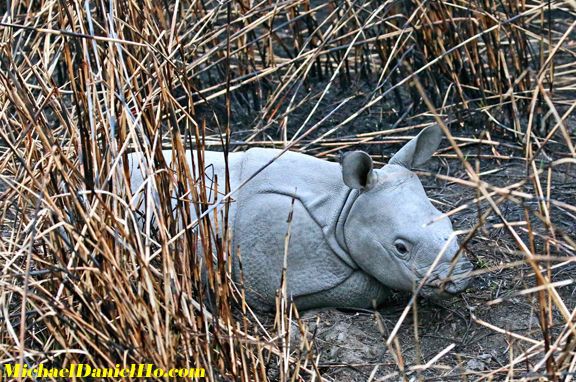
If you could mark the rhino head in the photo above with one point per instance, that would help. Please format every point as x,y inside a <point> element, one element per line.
<point>392,231</point>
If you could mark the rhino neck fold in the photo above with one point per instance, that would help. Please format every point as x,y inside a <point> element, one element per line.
<point>334,232</point>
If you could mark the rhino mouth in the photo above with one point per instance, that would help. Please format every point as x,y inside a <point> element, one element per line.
<point>450,285</point>
<point>444,289</point>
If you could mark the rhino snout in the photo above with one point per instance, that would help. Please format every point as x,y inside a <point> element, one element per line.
<point>455,287</point>
<point>458,280</point>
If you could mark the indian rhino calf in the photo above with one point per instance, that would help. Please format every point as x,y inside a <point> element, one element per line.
<point>356,232</point>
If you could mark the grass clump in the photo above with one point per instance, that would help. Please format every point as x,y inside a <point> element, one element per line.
<point>97,272</point>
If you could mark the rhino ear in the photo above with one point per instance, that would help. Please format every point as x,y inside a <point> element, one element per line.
<point>357,170</point>
<point>420,149</point>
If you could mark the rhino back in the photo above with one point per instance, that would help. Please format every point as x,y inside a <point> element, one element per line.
<point>214,167</point>
<point>291,172</point>
<point>214,172</point>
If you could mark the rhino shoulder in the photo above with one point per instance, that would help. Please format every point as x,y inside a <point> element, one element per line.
<point>260,233</point>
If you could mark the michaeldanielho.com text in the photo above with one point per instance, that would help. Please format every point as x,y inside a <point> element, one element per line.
<point>80,370</point>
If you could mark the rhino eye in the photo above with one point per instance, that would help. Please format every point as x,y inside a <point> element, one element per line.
<point>401,247</point>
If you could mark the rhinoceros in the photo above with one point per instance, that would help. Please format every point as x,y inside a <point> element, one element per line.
<point>356,233</point>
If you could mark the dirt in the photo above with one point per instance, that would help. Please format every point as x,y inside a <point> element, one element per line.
<point>352,346</point>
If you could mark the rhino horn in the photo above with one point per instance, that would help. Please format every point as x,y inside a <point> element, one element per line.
<point>419,149</point>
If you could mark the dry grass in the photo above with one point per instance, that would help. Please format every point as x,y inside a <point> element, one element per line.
<point>87,278</point>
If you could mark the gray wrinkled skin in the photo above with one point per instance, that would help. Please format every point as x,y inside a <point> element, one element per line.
<point>356,232</point>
